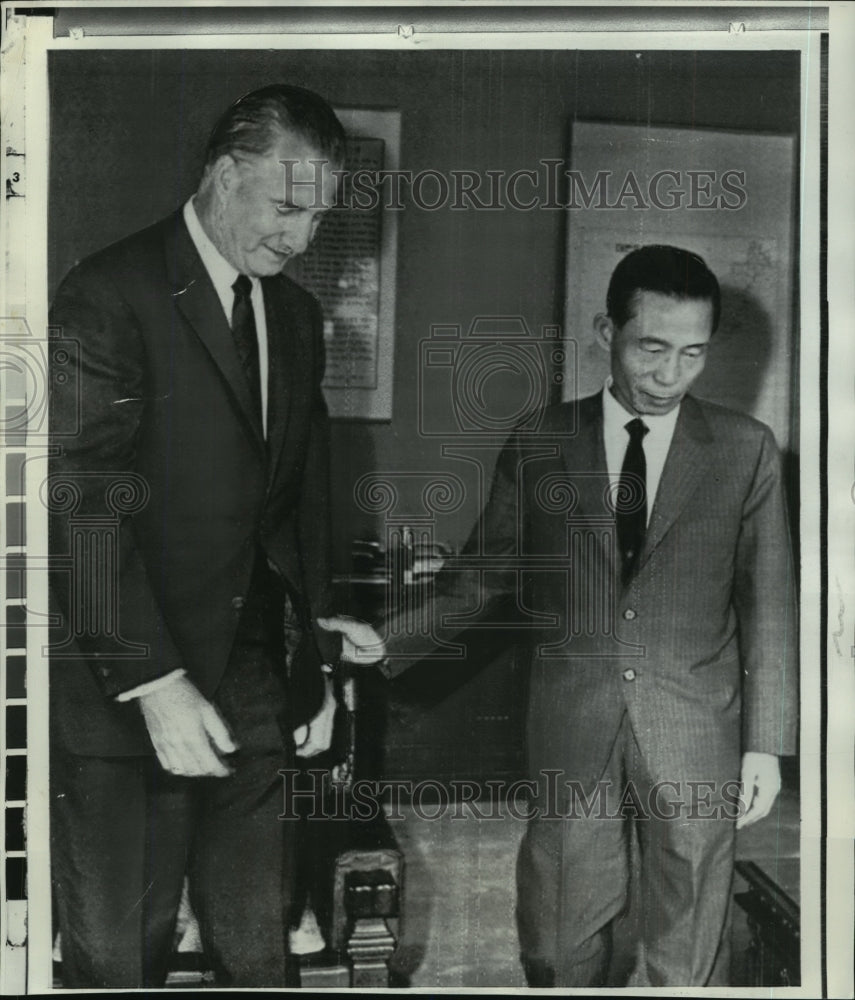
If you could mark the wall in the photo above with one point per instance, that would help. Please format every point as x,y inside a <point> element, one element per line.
<point>128,129</point>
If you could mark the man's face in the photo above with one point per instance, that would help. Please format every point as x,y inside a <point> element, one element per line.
<point>268,213</point>
<point>659,352</point>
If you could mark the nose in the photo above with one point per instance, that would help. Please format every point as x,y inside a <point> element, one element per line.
<point>668,371</point>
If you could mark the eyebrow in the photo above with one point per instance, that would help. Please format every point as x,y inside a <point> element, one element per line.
<point>667,343</point>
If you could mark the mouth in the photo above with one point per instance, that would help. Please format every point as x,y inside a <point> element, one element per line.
<point>280,255</point>
<point>660,400</point>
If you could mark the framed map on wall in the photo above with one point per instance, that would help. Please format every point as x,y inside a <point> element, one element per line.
<point>728,196</point>
<point>350,268</point>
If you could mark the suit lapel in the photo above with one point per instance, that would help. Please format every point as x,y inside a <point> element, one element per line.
<point>197,301</point>
<point>687,459</point>
<point>585,458</point>
<point>585,462</point>
<point>283,349</point>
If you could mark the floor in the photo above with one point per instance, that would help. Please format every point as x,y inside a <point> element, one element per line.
<point>458,926</point>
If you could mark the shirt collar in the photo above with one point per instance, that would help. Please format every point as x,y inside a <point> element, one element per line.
<point>221,272</point>
<point>616,416</point>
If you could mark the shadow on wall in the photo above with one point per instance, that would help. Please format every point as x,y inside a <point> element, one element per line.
<point>740,352</point>
<point>740,356</point>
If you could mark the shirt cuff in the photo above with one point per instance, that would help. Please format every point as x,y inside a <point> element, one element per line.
<point>149,686</point>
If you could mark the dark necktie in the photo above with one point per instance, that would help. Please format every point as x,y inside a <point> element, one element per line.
<point>631,503</point>
<point>246,338</point>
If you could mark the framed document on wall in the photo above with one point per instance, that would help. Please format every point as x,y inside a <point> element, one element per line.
<point>728,196</point>
<point>350,267</point>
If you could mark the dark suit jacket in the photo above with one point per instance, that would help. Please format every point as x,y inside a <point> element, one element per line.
<point>173,471</point>
<point>706,626</point>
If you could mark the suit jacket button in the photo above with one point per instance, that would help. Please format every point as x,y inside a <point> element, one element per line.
<point>630,614</point>
<point>104,671</point>
<point>238,603</point>
<point>629,674</point>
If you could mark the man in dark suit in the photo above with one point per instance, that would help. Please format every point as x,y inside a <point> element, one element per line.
<point>189,515</point>
<point>639,538</point>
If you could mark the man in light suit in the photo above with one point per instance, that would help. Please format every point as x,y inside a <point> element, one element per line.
<point>203,447</point>
<point>639,539</point>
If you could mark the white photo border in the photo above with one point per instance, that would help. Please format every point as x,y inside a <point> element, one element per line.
<point>827,587</point>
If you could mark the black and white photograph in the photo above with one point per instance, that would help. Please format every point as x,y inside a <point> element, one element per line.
<point>428,519</point>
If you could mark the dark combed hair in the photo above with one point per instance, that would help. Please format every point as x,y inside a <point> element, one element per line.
<point>663,269</point>
<point>251,125</point>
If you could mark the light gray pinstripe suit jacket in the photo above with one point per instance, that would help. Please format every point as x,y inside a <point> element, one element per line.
<point>707,625</point>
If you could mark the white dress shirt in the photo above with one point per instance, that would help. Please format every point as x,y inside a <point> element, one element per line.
<point>223,276</point>
<point>655,442</point>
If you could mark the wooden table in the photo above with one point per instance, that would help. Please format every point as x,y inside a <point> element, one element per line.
<point>771,905</point>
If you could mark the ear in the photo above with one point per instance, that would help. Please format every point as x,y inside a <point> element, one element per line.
<point>224,173</point>
<point>604,331</point>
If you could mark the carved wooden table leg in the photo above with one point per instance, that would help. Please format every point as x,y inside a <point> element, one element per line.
<point>370,897</point>
<point>370,947</point>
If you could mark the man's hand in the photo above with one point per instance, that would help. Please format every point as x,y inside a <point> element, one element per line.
<point>317,736</point>
<point>761,782</point>
<point>188,733</point>
<point>359,643</point>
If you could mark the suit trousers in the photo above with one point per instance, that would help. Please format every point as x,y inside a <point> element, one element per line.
<point>125,832</point>
<point>575,870</point>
